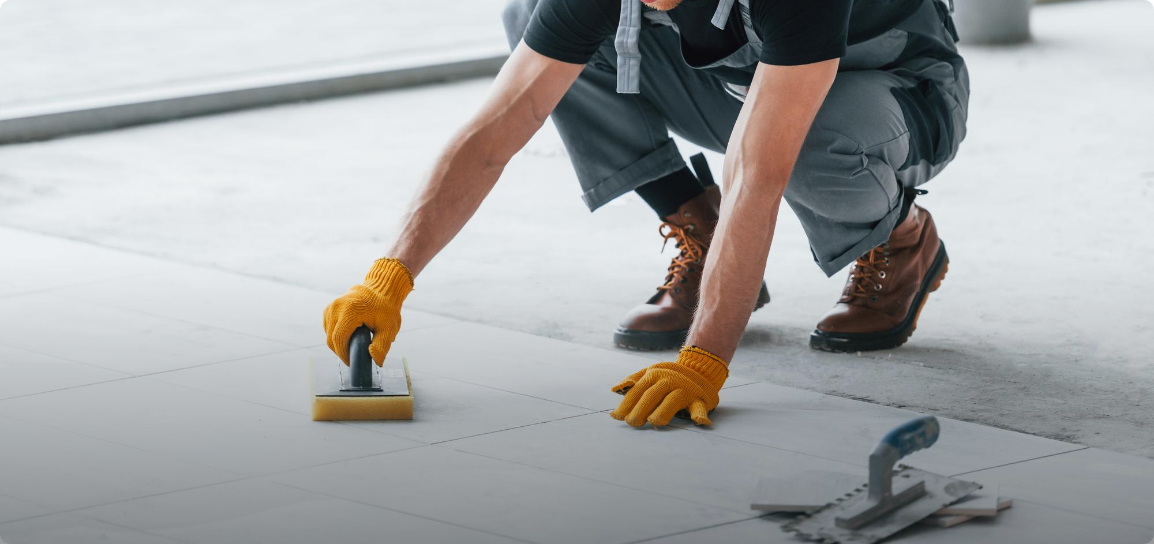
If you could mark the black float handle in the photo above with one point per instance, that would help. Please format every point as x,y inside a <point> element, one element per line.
<point>360,361</point>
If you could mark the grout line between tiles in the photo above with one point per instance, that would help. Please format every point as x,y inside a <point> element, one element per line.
<point>46,290</point>
<point>191,265</point>
<point>416,443</point>
<point>168,317</point>
<point>506,391</point>
<point>394,510</point>
<point>517,427</point>
<point>68,388</point>
<point>149,496</point>
<point>1019,462</point>
<point>122,526</point>
<point>214,363</point>
<point>603,482</point>
<point>808,454</point>
<point>357,458</point>
<point>700,529</point>
<point>129,446</point>
<point>1089,515</point>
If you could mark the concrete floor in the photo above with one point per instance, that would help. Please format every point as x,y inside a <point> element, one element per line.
<point>52,50</point>
<point>1043,326</point>
<point>151,402</point>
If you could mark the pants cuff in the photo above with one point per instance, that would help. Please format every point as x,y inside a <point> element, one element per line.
<point>875,238</point>
<point>663,161</point>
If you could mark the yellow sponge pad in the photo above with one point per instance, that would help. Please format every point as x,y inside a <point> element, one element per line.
<point>353,408</point>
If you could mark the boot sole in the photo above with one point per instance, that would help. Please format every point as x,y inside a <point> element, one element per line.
<point>662,340</point>
<point>897,336</point>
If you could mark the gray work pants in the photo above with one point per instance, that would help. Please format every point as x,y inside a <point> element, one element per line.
<point>892,120</point>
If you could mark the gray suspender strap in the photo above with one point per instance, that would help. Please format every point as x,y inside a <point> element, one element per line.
<point>628,53</point>
<point>747,22</point>
<point>721,16</point>
<point>629,32</point>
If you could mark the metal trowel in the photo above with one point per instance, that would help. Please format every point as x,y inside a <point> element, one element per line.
<point>892,500</point>
<point>361,390</point>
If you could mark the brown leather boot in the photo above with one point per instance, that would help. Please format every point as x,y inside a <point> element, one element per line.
<point>663,321</point>
<point>887,288</point>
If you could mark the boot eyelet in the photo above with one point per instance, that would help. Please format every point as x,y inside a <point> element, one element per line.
<point>686,214</point>
<point>887,260</point>
<point>677,290</point>
<point>882,274</point>
<point>689,227</point>
<point>874,298</point>
<point>877,287</point>
<point>683,280</point>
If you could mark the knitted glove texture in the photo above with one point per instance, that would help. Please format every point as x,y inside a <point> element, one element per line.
<point>657,393</point>
<point>376,303</point>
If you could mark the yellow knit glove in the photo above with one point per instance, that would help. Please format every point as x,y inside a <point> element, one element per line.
<point>375,304</point>
<point>657,393</point>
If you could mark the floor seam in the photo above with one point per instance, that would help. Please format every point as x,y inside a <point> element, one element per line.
<point>404,512</point>
<point>699,529</point>
<point>597,481</point>
<point>1019,462</point>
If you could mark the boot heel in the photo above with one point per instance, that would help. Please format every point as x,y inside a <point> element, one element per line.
<point>941,276</point>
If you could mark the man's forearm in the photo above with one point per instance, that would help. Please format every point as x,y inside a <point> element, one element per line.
<point>736,265</point>
<point>523,95</point>
<point>461,178</point>
<point>763,149</point>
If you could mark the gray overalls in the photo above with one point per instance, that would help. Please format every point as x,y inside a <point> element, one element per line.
<point>892,121</point>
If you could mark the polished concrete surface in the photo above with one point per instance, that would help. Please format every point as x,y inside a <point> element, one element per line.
<point>1044,324</point>
<point>148,401</point>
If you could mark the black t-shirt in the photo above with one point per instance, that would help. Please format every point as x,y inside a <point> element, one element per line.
<point>794,32</point>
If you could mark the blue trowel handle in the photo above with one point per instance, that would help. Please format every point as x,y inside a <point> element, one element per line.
<point>360,362</point>
<point>916,434</point>
<point>911,436</point>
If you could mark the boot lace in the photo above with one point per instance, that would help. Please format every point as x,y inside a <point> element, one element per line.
<point>691,254</point>
<point>869,270</point>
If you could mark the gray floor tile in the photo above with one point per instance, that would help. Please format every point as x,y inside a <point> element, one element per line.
<point>763,530</point>
<point>47,262</point>
<point>1024,523</point>
<point>1030,523</point>
<point>14,509</point>
<point>444,409</point>
<point>848,430</point>
<point>28,373</point>
<point>550,369</point>
<point>71,528</point>
<point>256,511</point>
<point>255,307</point>
<point>62,471</point>
<point>505,498</point>
<point>120,340</point>
<point>1094,482</point>
<point>200,427</point>
<point>695,467</point>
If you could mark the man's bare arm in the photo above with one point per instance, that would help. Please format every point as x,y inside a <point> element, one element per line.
<point>763,149</point>
<point>525,92</point>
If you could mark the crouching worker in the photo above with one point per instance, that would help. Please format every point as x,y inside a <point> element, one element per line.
<point>840,107</point>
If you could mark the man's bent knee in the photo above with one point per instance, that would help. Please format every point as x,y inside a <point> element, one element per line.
<point>835,179</point>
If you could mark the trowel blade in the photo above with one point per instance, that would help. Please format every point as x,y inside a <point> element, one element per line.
<point>940,492</point>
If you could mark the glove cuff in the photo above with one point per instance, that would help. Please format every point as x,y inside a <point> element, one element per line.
<point>708,365</point>
<point>390,278</point>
